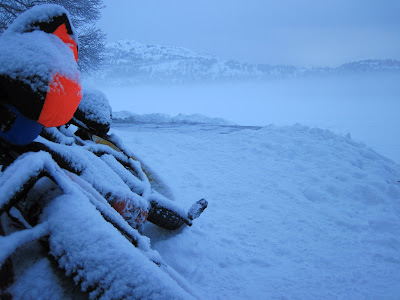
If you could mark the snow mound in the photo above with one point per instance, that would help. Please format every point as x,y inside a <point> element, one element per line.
<point>158,118</point>
<point>96,106</point>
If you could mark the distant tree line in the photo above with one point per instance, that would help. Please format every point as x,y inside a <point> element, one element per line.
<point>84,16</point>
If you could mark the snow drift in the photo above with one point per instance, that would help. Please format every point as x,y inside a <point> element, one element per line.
<point>295,212</point>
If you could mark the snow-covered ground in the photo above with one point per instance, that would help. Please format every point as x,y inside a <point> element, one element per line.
<point>294,212</point>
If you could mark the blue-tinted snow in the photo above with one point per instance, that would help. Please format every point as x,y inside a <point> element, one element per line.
<point>366,106</point>
<point>35,56</point>
<point>158,118</point>
<point>294,212</point>
<point>39,13</point>
<point>96,106</point>
<point>86,247</point>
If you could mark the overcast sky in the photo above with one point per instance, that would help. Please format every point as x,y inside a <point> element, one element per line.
<point>299,32</point>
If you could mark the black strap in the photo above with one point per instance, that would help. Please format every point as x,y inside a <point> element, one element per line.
<point>19,93</point>
<point>50,25</point>
<point>7,118</point>
<point>6,274</point>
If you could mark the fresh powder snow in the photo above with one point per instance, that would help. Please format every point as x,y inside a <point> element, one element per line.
<point>294,212</point>
<point>33,56</point>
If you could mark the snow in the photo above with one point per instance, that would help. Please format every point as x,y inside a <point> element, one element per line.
<point>35,56</point>
<point>158,118</point>
<point>108,183</point>
<point>44,281</point>
<point>155,52</point>
<point>365,106</point>
<point>95,106</point>
<point>108,258</point>
<point>43,55</point>
<point>39,13</point>
<point>294,212</point>
<point>128,62</point>
<point>11,242</point>
<point>16,175</point>
<point>81,241</point>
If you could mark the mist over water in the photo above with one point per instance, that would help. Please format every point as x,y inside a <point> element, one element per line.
<point>366,106</point>
<point>301,33</point>
<point>291,33</point>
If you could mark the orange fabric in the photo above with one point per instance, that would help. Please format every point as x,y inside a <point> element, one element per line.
<point>64,94</point>
<point>119,206</point>
<point>62,33</point>
<point>142,217</point>
<point>125,209</point>
<point>61,102</point>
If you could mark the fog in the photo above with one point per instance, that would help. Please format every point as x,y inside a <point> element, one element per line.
<point>367,107</point>
<point>288,32</point>
<point>307,32</point>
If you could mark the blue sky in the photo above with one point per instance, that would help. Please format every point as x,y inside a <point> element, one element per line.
<point>302,32</point>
